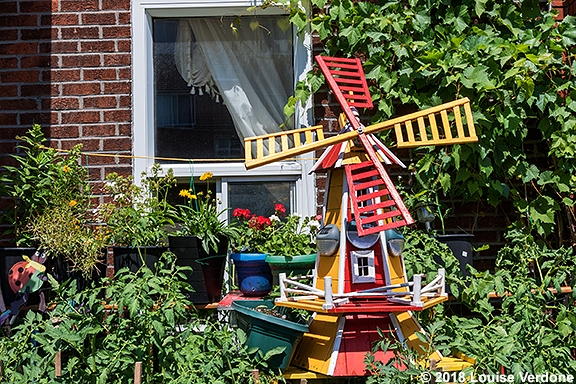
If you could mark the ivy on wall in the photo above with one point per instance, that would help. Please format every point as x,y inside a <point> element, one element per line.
<point>512,59</point>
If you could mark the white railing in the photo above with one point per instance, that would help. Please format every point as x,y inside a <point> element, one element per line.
<point>415,294</point>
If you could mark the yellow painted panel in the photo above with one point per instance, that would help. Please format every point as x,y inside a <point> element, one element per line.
<point>409,326</point>
<point>435,301</point>
<point>328,265</point>
<point>294,373</point>
<point>314,353</point>
<point>396,268</point>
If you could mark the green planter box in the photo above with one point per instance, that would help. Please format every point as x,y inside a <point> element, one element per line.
<point>266,331</point>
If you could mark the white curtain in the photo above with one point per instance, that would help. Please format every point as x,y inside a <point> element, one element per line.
<point>251,69</point>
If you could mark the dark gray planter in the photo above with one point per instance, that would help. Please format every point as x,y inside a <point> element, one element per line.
<point>207,274</point>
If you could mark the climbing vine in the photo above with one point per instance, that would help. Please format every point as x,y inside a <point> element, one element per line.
<point>512,59</point>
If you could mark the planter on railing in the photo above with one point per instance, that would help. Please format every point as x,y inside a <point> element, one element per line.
<point>301,265</point>
<point>266,331</point>
<point>254,276</point>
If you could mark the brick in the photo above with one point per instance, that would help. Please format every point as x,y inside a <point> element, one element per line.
<point>58,19</point>
<point>35,118</point>
<point>124,18</point>
<point>125,129</point>
<point>63,47</point>
<point>18,105</point>
<point>63,75</point>
<point>116,32</point>
<point>20,20</point>
<point>64,103</point>
<point>100,130</point>
<point>80,33</point>
<point>125,102</point>
<point>8,118</point>
<point>84,60</point>
<point>9,35</point>
<point>35,34</point>
<point>8,62</point>
<point>9,7</point>
<point>124,45</point>
<point>108,160</point>
<point>36,61</point>
<point>19,49</point>
<point>118,115</point>
<point>98,46</point>
<point>36,6</point>
<point>87,144</point>
<point>80,89</point>
<point>99,74</point>
<point>100,102</point>
<point>75,5</point>
<point>39,89</point>
<point>115,4</point>
<point>20,76</point>
<point>112,144</point>
<point>117,59</point>
<point>100,18</point>
<point>124,73</point>
<point>80,117</point>
<point>57,131</point>
<point>8,90</point>
<point>117,87</point>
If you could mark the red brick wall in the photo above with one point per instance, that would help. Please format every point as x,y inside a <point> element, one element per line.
<point>66,64</point>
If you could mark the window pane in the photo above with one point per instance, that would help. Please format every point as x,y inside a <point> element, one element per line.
<point>194,122</point>
<point>260,197</point>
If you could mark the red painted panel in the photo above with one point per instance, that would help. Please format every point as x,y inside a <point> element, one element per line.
<point>360,332</point>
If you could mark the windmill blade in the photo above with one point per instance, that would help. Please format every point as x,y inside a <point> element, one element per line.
<point>440,125</point>
<point>266,149</point>
<point>348,83</point>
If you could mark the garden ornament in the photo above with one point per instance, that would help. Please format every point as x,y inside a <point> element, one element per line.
<point>362,287</point>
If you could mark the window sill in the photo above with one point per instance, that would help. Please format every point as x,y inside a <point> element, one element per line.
<point>225,169</point>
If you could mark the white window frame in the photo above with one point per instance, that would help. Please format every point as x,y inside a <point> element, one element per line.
<point>143,12</point>
<point>368,254</point>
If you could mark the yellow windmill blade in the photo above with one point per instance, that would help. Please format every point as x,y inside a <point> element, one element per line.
<point>441,125</point>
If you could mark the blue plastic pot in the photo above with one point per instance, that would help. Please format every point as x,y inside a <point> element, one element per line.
<point>253,272</point>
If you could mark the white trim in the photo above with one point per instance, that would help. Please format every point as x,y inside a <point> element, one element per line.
<point>355,256</point>
<point>336,347</point>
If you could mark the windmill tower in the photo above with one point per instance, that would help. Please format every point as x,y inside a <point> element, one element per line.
<point>360,283</point>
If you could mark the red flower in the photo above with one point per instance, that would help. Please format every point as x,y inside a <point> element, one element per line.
<point>263,222</point>
<point>241,213</point>
<point>280,209</point>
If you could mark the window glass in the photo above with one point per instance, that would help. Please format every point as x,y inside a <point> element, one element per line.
<point>260,197</point>
<point>192,83</point>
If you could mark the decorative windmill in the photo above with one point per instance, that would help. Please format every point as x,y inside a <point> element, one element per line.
<point>359,282</point>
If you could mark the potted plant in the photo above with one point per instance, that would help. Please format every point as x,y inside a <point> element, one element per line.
<point>44,185</point>
<point>291,246</point>
<point>138,217</point>
<point>202,242</point>
<point>254,276</point>
<point>285,242</point>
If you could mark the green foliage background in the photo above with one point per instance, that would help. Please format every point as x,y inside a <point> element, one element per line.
<point>514,62</point>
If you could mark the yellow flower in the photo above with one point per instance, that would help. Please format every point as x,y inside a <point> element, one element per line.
<point>72,203</point>
<point>206,176</point>
<point>186,193</point>
<point>66,168</point>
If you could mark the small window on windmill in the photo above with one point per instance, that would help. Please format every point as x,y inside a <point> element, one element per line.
<point>363,266</point>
